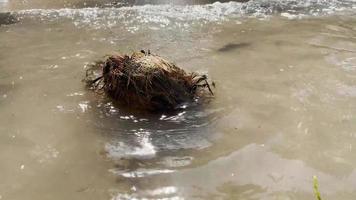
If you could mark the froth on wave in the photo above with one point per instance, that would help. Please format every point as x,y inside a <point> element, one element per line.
<point>179,15</point>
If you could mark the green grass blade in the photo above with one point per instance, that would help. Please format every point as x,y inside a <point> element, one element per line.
<point>316,188</point>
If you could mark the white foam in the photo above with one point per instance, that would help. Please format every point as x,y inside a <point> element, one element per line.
<point>84,106</point>
<point>158,16</point>
<point>145,149</point>
<point>161,193</point>
<point>142,172</point>
<point>75,94</point>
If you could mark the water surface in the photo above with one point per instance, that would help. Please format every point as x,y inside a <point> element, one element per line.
<point>283,111</point>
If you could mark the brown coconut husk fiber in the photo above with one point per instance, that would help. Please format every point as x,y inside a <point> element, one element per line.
<point>147,81</point>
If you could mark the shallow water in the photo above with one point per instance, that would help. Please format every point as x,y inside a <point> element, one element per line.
<point>284,107</point>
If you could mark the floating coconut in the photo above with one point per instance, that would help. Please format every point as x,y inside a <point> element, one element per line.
<point>147,81</point>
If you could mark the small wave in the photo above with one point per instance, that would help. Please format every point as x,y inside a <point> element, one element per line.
<point>145,148</point>
<point>142,172</point>
<point>183,16</point>
<point>167,193</point>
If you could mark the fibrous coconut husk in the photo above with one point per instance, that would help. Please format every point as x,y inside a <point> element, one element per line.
<point>148,81</point>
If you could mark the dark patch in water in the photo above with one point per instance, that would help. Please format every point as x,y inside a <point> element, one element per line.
<point>7,18</point>
<point>233,46</point>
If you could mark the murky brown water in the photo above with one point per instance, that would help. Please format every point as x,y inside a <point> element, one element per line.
<point>284,110</point>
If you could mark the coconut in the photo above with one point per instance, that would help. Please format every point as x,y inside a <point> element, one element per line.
<point>147,81</point>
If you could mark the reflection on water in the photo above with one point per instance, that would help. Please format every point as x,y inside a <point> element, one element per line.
<point>283,109</point>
